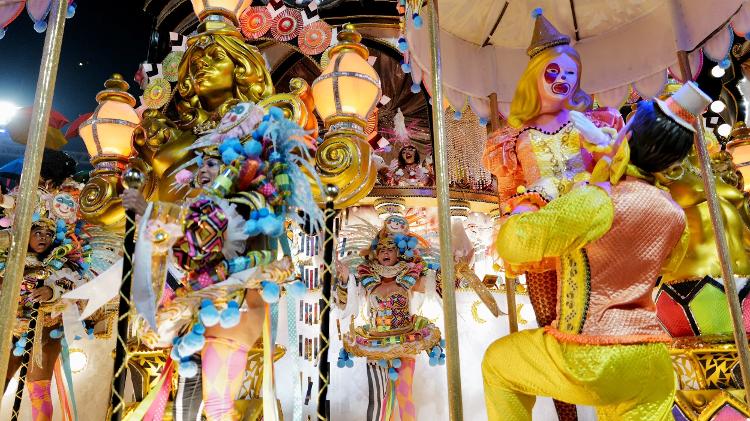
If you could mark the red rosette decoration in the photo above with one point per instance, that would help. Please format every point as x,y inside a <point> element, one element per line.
<point>315,38</point>
<point>287,25</point>
<point>255,22</point>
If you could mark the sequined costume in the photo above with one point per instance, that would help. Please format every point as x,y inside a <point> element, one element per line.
<point>393,334</point>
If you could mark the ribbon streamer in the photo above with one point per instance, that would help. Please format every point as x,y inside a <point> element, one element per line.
<point>143,290</point>
<point>65,360</point>
<point>99,291</point>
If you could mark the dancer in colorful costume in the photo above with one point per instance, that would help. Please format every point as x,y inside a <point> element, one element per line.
<point>408,169</point>
<point>610,238</point>
<point>543,150</point>
<point>390,268</point>
<point>225,242</point>
<point>59,258</point>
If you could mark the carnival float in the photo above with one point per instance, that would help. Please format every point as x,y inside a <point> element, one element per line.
<point>348,210</point>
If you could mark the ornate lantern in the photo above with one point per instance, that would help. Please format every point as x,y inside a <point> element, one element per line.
<point>345,94</point>
<point>107,135</point>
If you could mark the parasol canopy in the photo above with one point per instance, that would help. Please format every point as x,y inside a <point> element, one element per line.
<point>624,44</point>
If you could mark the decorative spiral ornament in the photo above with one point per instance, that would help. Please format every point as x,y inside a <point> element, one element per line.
<point>255,22</point>
<point>98,196</point>
<point>315,38</point>
<point>335,156</point>
<point>287,25</point>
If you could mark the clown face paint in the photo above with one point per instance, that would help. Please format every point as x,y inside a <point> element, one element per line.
<point>559,79</point>
<point>396,224</point>
<point>64,207</point>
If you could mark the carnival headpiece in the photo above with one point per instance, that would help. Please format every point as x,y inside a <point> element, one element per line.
<point>685,105</point>
<point>545,35</point>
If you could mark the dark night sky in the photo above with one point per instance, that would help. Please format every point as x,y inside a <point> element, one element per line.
<point>105,36</point>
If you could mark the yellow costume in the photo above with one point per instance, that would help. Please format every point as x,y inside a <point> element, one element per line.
<point>606,334</point>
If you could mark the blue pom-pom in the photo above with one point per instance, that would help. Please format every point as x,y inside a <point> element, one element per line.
<point>270,291</point>
<point>417,21</point>
<point>252,228</point>
<point>409,253</point>
<point>393,374</point>
<point>56,334</point>
<point>253,148</point>
<point>342,353</point>
<point>442,343</point>
<point>406,67</point>
<point>396,363</point>
<point>415,88</point>
<point>383,363</point>
<point>349,363</point>
<point>188,369</point>
<point>40,26</point>
<point>174,355</point>
<point>2,33</point>
<point>18,351</point>
<point>402,244</point>
<point>71,11</point>
<point>35,217</point>
<point>457,115</point>
<point>483,121</point>
<point>230,143</point>
<point>229,155</point>
<point>433,361</point>
<point>276,112</point>
<point>402,45</point>
<point>271,226</point>
<point>263,212</point>
<point>297,289</point>
<point>412,242</point>
<point>274,157</point>
<point>441,360</point>
<point>726,63</point>
<point>340,363</point>
<point>536,12</point>
<point>230,317</point>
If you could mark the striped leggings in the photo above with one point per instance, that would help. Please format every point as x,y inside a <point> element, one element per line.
<point>379,385</point>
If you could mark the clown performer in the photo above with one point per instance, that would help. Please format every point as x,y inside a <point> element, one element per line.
<point>188,402</point>
<point>59,259</point>
<point>225,243</point>
<point>407,169</point>
<point>610,238</point>
<point>391,270</point>
<point>544,149</point>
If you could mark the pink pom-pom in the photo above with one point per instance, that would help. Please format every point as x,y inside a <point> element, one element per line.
<point>4,222</point>
<point>184,177</point>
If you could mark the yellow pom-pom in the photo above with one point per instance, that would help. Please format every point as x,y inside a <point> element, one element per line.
<point>521,189</point>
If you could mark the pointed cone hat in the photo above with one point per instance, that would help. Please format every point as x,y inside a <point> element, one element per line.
<point>545,35</point>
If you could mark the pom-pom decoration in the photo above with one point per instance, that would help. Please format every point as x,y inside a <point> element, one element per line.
<point>270,291</point>
<point>208,314</point>
<point>230,317</point>
<point>536,12</point>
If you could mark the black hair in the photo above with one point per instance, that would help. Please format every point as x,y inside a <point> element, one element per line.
<point>657,141</point>
<point>57,166</point>
<point>402,161</point>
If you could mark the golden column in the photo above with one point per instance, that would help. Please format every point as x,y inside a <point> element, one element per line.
<point>32,163</point>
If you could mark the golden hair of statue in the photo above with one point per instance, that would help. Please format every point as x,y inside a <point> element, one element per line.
<point>686,187</point>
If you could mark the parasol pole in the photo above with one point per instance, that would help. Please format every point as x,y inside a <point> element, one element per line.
<point>455,404</point>
<point>510,281</point>
<point>717,221</point>
<point>324,365</point>
<point>32,163</point>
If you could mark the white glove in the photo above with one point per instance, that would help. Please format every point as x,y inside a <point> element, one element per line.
<point>592,133</point>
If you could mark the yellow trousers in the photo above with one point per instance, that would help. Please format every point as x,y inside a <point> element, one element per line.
<point>623,382</point>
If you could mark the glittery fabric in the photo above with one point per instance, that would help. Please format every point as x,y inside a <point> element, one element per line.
<point>543,295</point>
<point>623,382</point>
<point>526,156</point>
<point>623,238</point>
<point>648,224</point>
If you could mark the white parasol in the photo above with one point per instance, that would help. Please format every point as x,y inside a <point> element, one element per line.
<point>623,44</point>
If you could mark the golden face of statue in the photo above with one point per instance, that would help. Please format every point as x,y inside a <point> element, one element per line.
<point>212,71</point>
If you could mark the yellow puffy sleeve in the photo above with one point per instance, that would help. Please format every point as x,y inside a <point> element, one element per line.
<point>678,252</point>
<point>565,224</point>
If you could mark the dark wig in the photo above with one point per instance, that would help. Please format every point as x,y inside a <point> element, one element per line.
<point>657,141</point>
<point>402,161</point>
<point>57,166</point>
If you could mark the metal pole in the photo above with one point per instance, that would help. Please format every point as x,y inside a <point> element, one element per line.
<point>455,404</point>
<point>32,162</point>
<point>132,179</point>
<point>324,366</point>
<point>510,281</point>
<point>717,221</point>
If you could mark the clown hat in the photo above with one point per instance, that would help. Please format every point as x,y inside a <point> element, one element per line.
<point>545,35</point>
<point>685,105</point>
